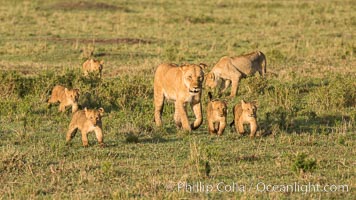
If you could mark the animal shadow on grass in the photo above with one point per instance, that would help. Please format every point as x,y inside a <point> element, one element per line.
<point>309,122</point>
<point>319,124</point>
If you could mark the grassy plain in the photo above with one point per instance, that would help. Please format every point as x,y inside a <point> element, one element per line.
<point>306,112</point>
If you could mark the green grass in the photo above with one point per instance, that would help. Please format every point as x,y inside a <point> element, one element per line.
<point>306,112</point>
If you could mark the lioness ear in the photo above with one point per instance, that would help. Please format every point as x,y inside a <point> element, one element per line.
<point>212,76</point>
<point>66,91</point>
<point>203,66</point>
<point>101,111</point>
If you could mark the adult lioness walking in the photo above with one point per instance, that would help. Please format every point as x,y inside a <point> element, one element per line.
<point>182,84</point>
<point>232,69</point>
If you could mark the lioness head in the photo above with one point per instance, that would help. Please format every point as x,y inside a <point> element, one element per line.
<point>249,109</point>
<point>211,80</point>
<point>94,115</point>
<point>72,95</point>
<point>193,77</point>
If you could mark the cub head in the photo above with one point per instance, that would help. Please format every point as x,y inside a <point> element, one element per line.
<point>97,65</point>
<point>211,80</point>
<point>72,95</point>
<point>94,115</point>
<point>219,108</point>
<point>249,109</point>
<point>193,77</point>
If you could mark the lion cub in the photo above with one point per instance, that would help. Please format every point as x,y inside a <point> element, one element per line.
<point>65,97</point>
<point>216,113</point>
<point>86,121</point>
<point>92,66</point>
<point>245,113</point>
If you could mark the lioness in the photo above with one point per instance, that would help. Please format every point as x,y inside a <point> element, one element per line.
<point>86,121</point>
<point>182,84</point>
<point>232,69</point>
<point>66,98</point>
<point>92,66</point>
<point>217,114</point>
<point>245,113</point>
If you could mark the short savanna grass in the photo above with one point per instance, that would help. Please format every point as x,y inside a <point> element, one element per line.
<point>306,103</point>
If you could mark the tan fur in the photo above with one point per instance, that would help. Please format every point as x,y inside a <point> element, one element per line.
<point>92,66</point>
<point>230,70</point>
<point>86,121</point>
<point>245,113</point>
<point>216,115</point>
<point>182,85</point>
<point>65,97</point>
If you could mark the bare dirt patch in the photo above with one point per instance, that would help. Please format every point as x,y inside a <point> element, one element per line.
<point>103,40</point>
<point>85,5</point>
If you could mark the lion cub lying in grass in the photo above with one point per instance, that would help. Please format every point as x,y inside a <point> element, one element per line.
<point>86,121</point>
<point>92,66</point>
<point>65,97</point>
<point>216,113</point>
<point>245,113</point>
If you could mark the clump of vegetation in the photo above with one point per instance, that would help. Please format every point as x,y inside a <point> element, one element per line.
<point>303,164</point>
<point>131,138</point>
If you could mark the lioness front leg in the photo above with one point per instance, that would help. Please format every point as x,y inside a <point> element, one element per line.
<point>159,103</point>
<point>234,86</point>
<point>177,119</point>
<point>180,108</point>
<point>197,109</point>
<point>224,85</point>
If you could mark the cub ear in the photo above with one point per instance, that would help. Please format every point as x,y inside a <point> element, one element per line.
<point>66,91</point>
<point>86,112</point>
<point>102,62</point>
<point>210,96</point>
<point>77,90</point>
<point>255,103</point>
<point>101,111</point>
